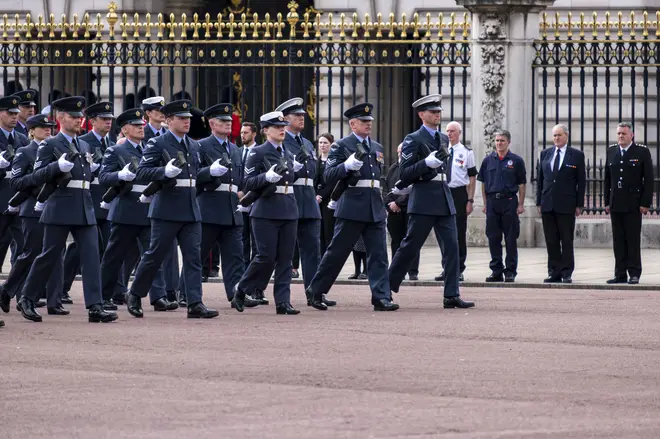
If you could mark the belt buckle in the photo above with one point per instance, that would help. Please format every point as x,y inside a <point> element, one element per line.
<point>619,185</point>
<point>372,184</point>
<point>498,196</point>
<point>83,184</point>
<point>286,189</point>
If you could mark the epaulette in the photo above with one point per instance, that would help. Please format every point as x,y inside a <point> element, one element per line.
<point>616,145</point>
<point>642,145</point>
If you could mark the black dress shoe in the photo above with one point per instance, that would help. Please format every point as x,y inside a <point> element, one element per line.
<point>327,301</point>
<point>566,280</point>
<point>172,295</point>
<point>134,305</point>
<point>183,302</point>
<point>440,277</point>
<point>2,323</point>
<point>214,273</point>
<point>461,278</point>
<point>238,302</point>
<point>362,276</point>
<point>205,279</point>
<point>200,311</point>
<point>163,304</point>
<point>286,308</point>
<point>617,280</point>
<point>552,280</point>
<point>40,304</point>
<point>509,278</point>
<point>316,301</point>
<point>295,274</point>
<point>413,277</point>
<point>456,302</point>
<point>59,311</point>
<point>28,310</point>
<point>109,305</point>
<point>260,297</point>
<point>354,276</point>
<point>97,314</point>
<point>5,300</point>
<point>495,278</point>
<point>66,299</point>
<point>119,299</point>
<point>384,305</point>
<point>248,302</point>
<point>634,280</point>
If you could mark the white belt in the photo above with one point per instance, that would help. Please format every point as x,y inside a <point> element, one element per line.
<point>304,182</point>
<point>439,177</point>
<point>287,190</point>
<point>95,181</point>
<point>368,183</point>
<point>78,184</point>
<point>185,182</point>
<point>138,188</point>
<point>226,187</point>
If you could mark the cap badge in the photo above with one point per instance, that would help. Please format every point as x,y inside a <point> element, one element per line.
<point>185,105</point>
<point>14,101</point>
<point>79,104</point>
<point>281,118</point>
<point>162,103</point>
<point>226,109</point>
<point>137,113</point>
<point>367,109</point>
<point>107,107</point>
<point>28,95</point>
<point>45,120</point>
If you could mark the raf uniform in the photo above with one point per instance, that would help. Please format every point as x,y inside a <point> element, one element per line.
<point>171,263</point>
<point>174,214</point>
<point>249,244</point>
<point>430,206</point>
<point>94,140</point>
<point>130,223</point>
<point>501,177</point>
<point>274,219</point>
<point>33,231</point>
<point>218,200</point>
<point>309,212</point>
<point>25,99</point>
<point>628,186</point>
<point>359,212</point>
<point>560,190</point>
<point>9,222</point>
<point>68,210</point>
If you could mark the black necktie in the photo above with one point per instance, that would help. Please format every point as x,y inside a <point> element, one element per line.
<point>157,133</point>
<point>450,162</point>
<point>74,142</point>
<point>555,166</point>
<point>299,140</point>
<point>10,140</point>
<point>103,144</point>
<point>139,148</point>
<point>437,137</point>
<point>245,153</point>
<point>366,145</point>
<point>279,149</point>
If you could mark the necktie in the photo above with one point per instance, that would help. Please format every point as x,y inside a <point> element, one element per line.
<point>104,145</point>
<point>366,145</point>
<point>245,153</point>
<point>139,148</point>
<point>437,137</point>
<point>299,140</point>
<point>450,163</point>
<point>279,149</point>
<point>74,142</point>
<point>10,140</point>
<point>555,166</point>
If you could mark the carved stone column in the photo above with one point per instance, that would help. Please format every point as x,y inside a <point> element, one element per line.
<point>503,32</point>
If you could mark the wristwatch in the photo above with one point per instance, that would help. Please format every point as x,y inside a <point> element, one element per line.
<point>470,200</point>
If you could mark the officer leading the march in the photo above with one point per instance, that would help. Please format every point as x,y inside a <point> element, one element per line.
<point>174,211</point>
<point>129,217</point>
<point>68,210</point>
<point>359,211</point>
<point>430,204</point>
<point>274,217</point>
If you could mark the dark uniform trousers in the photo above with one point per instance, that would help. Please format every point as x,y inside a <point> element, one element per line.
<point>171,271</point>
<point>123,238</point>
<point>627,230</point>
<point>33,233</point>
<point>460,196</point>
<point>308,243</point>
<point>502,218</point>
<point>13,239</point>
<point>558,229</point>
<point>249,244</point>
<point>72,261</point>
<point>397,225</point>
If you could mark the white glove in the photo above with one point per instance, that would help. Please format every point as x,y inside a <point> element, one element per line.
<point>145,200</point>
<point>64,164</point>
<point>243,209</point>
<point>405,191</point>
<point>94,166</point>
<point>332,205</point>
<point>171,171</point>
<point>105,205</point>
<point>38,207</point>
<point>432,161</point>
<point>352,164</point>
<point>13,209</point>
<point>217,170</point>
<point>4,163</point>
<point>297,166</point>
<point>125,174</point>
<point>272,176</point>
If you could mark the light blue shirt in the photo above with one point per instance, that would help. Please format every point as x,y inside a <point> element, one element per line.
<point>361,139</point>
<point>430,131</point>
<point>67,137</point>
<point>7,133</point>
<point>178,139</point>
<point>220,141</point>
<point>155,130</point>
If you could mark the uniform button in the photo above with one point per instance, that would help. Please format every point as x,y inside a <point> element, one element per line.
<point>287,172</point>
<point>620,178</point>
<point>621,170</point>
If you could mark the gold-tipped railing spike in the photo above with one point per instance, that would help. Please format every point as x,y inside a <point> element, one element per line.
<point>305,25</point>
<point>330,35</point>
<point>633,24</point>
<point>255,26</point>
<point>292,18</point>
<point>556,25</point>
<point>416,25</point>
<point>342,25</point>
<point>40,27</point>
<point>620,25</point>
<point>75,26</point>
<point>5,26</point>
<point>147,26</point>
<point>51,27</point>
<point>317,26</point>
<point>544,26</point>
<point>123,26</point>
<point>64,26</point>
<point>379,26</point>
<point>403,27</point>
<point>368,25</point>
<point>267,26</point>
<point>28,27</point>
<point>219,25</point>
<point>428,27</point>
<point>356,26</point>
<point>161,27</point>
<point>17,29</point>
<point>111,17</point>
<point>452,32</point>
<point>231,26</point>
<point>196,25</point>
<point>184,27</point>
<point>569,32</point>
<point>391,26</point>
<point>440,24</point>
<point>171,26</point>
<point>243,25</point>
<point>594,32</point>
<point>99,27</point>
<point>657,24</point>
<point>645,25</point>
<point>207,25</point>
<point>608,23</point>
<point>280,26</point>
<point>466,26</point>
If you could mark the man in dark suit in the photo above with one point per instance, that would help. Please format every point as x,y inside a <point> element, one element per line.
<point>174,211</point>
<point>248,138</point>
<point>9,136</point>
<point>359,211</point>
<point>560,198</point>
<point>397,213</point>
<point>68,210</point>
<point>430,205</point>
<point>129,218</point>
<point>628,194</point>
<point>274,217</point>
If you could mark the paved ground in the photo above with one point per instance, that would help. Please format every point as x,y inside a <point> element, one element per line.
<point>526,363</point>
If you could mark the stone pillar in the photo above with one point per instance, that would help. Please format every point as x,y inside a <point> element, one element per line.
<point>503,32</point>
